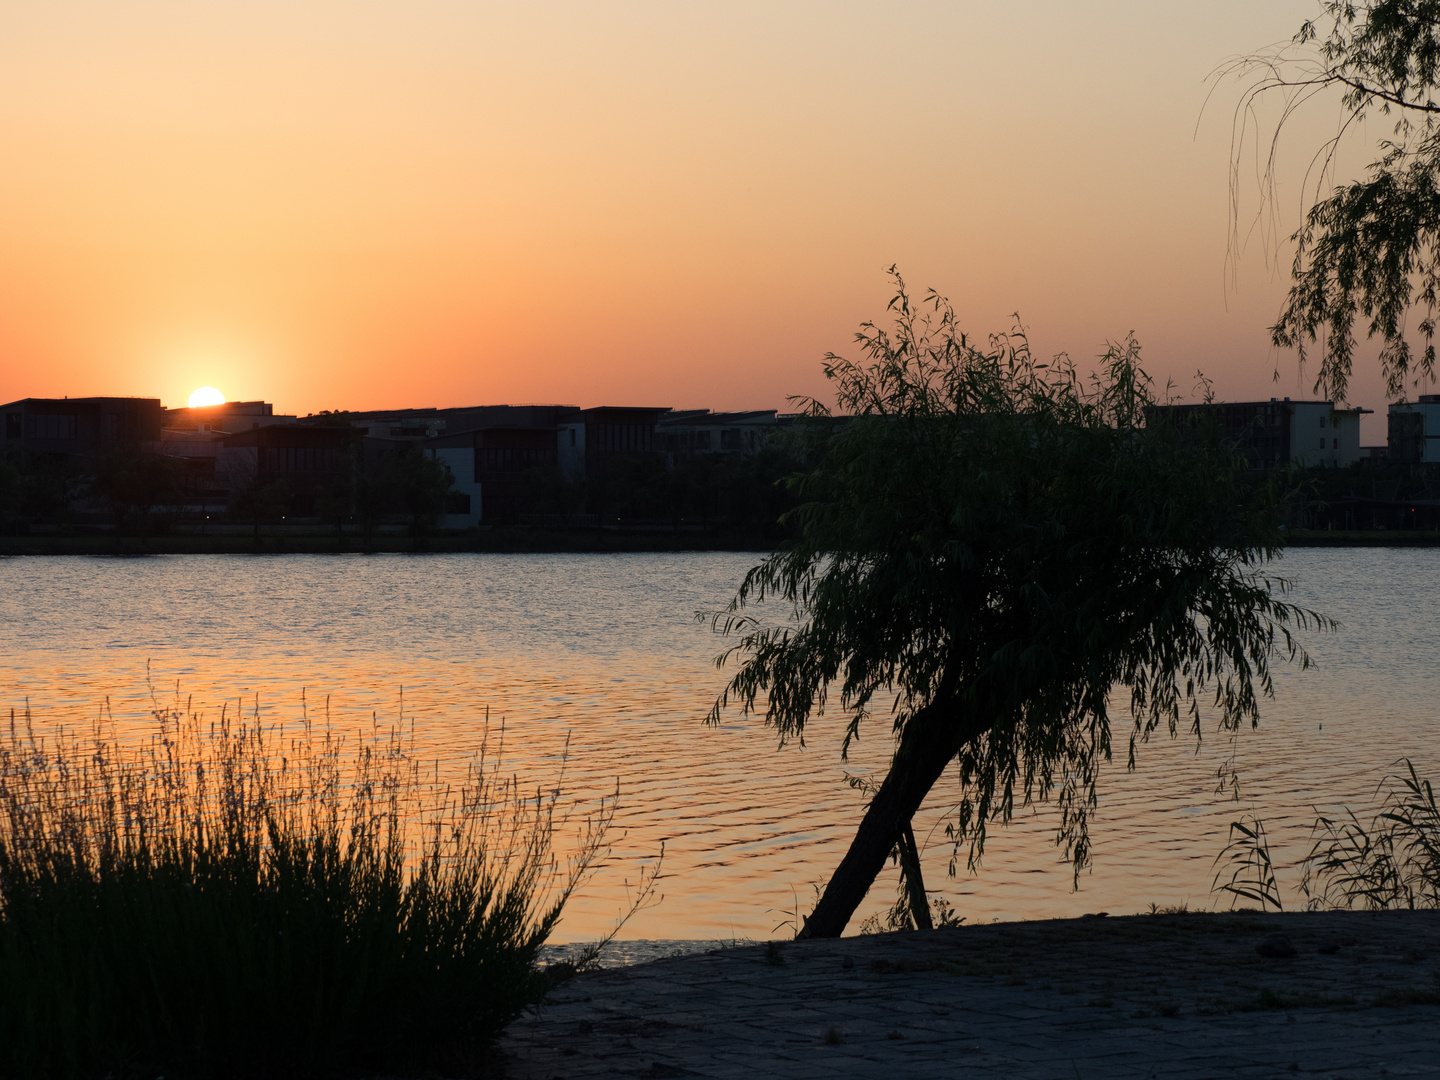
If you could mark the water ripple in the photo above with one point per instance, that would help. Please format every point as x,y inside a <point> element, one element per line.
<point>604,651</point>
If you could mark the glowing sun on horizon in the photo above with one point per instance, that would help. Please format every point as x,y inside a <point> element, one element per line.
<point>206,395</point>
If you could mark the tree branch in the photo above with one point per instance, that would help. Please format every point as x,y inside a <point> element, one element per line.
<point>1370,91</point>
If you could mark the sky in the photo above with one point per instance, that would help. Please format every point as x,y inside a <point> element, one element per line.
<point>369,203</point>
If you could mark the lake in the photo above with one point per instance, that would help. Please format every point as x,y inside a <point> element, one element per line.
<point>604,650</point>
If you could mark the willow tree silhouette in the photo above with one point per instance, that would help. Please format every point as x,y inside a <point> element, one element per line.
<point>1368,250</point>
<point>988,547</point>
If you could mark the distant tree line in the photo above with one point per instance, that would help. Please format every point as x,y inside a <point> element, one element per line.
<point>34,488</point>
<point>1368,496</point>
<point>140,492</point>
<point>705,490</point>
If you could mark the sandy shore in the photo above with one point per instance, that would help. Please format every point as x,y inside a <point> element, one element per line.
<point>1190,996</point>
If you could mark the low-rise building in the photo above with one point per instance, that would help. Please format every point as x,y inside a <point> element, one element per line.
<point>73,428</point>
<point>688,433</point>
<point>224,419</point>
<point>200,450</point>
<point>431,423</point>
<point>490,467</point>
<point>590,438</point>
<point>305,457</point>
<point>1414,430</point>
<point>197,434</point>
<point>426,423</point>
<point>1283,432</point>
<point>465,506</point>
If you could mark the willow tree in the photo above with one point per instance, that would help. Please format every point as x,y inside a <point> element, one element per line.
<point>1369,250</point>
<point>993,552</point>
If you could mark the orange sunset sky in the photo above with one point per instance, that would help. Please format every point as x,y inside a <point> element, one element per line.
<point>374,203</point>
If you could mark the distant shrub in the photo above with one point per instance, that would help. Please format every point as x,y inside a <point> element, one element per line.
<point>223,902</point>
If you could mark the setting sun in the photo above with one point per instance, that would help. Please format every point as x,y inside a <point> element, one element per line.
<point>206,395</point>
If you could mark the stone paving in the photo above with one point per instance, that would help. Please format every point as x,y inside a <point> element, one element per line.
<point>1143,996</point>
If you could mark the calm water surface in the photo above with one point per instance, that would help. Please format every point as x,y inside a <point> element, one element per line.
<point>604,650</point>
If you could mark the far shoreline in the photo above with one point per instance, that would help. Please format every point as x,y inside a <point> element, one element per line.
<point>1357,538</point>
<point>496,541</point>
<point>519,540</point>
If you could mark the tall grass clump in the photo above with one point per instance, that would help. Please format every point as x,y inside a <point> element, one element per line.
<point>230,902</point>
<point>1393,861</point>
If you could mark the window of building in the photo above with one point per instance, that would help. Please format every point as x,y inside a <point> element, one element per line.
<point>1322,421</point>
<point>1322,442</point>
<point>60,426</point>
<point>1337,444</point>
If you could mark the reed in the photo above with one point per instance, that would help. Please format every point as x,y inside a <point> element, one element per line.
<point>226,900</point>
<point>1252,871</point>
<point>1393,861</point>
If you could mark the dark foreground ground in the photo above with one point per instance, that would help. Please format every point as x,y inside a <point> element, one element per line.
<point>1142,996</point>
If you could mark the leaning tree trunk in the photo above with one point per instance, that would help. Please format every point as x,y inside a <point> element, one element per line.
<point>930,740</point>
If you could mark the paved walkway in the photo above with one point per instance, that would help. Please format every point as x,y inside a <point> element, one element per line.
<point>1143,996</point>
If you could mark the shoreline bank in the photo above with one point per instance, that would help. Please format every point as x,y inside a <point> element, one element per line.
<point>510,541</point>
<point>506,541</point>
<point>1179,995</point>
<point>1326,538</point>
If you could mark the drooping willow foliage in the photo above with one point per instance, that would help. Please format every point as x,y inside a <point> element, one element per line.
<point>1011,549</point>
<point>1368,250</point>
